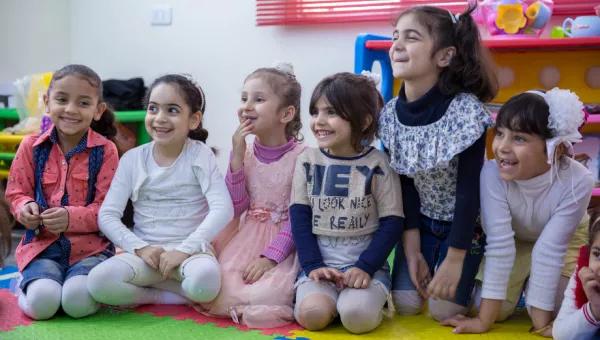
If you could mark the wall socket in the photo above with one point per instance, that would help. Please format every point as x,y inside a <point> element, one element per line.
<point>161,15</point>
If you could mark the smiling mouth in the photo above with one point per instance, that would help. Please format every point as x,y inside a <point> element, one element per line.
<point>70,120</point>
<point>160,130</point>
<point>505,164</point>
<point>321,134</point>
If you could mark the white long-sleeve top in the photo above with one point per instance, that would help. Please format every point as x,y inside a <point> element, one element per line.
<point>182,207</point>
<point>533,210</point>
<point>573,323</point>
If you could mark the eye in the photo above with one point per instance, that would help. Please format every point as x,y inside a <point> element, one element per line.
<point>331,112</point>
<point>395,37</point>
<point>152,109</point>
<point>61,100</point>
<point>313,113</point>
<point>173,110</point>
<point>499,133</point>
<point>260,100</point>
<point>244,99</point>
<point>84,103</point>
<point>519,138</point>
<point>596,253</point>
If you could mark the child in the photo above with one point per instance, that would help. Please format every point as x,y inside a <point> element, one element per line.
<point>180,203</point>
<point>435,133</point>
<point>533,197</point>
<point>6,224</point>
<point>57,183</point>
<point>346,210</point>
<point>580,310</point>
<point>259,264</point>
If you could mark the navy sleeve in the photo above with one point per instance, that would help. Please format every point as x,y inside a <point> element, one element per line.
<point>385,239</point>
<point>309,254</point>
<point>467,204</point>
<point>411,202</point>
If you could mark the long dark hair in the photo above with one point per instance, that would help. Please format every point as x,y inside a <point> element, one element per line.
<point>471,69</point>
<point>106,124</point>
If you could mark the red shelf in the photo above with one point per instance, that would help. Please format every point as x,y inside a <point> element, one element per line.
<point>517,44</point>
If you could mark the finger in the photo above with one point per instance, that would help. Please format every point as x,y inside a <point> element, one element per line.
<point>48,214</point>
<point>437,289</point>
<point>444,292</point>
<point>431,288</point>
<point>151,263</point>
<point>327,274</point>
<point>34,210</point>
<point>365,283</point>
<point>257,275</point>
<point>53,221</point>
<point>248,271</point>
<point>166,271</point>
<point>251,275</point>
<point>452,292</point>
<point>337,273</point>
<point>453,321</point>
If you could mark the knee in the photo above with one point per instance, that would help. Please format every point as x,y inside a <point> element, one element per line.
<point>202,280</point>
<point>43,299</point>
<point>358,318</point>
<point>76,299</point>
<point>315,312</point>
<point>441,310</point>
<point>407,302</point>
<point>106,278</point>
<point>99,284</point>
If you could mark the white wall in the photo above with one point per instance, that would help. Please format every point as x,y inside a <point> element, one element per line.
<point>34,37</point>
<point>215,41</point>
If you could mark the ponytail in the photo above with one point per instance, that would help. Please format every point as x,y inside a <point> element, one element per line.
<point>471,69</point>
<point>105,126</point>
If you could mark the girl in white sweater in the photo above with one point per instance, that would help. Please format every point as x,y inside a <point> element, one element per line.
<point>180,203</point>
<point>533,197</point>
<point>579,316</point>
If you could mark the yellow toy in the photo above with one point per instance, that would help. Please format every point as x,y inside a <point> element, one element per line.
<point>510,18</point>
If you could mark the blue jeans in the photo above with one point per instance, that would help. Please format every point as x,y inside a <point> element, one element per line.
<point>434,249</point>
<point>47,266</point>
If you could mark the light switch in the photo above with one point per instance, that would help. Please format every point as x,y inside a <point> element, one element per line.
<point>161,15</point>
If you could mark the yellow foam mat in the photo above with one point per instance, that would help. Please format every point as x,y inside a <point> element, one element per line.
<point>423,327</point>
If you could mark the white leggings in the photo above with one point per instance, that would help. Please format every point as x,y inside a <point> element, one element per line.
<point>126,280</point>
<point>360,310</point>
<point>45,296</point>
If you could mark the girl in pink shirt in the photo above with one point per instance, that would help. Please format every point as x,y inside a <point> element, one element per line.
<point>57,183</point>
<point>259,263</point>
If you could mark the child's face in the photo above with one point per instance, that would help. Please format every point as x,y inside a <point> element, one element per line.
<point>72,105</point>
<point>595,255</point>
<point>262,106</point>
<point>332,132</point>
<point>410,53</point>
<point>519,156</point>
<point>168,117</point>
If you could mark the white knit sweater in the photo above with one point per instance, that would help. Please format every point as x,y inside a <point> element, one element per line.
<point>533,210</point>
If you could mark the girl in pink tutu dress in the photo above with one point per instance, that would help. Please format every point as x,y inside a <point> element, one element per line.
<point>257,253</point>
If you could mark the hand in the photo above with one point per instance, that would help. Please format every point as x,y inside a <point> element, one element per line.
<point>56,220</point>
<point>418,270</point>
<point>257,268</point>
<point>150,255</point>
<point>463,325</point>
<point>29,216</point>
<point>356,278</point>
<point>541,319</point>
<point>239,143</point>
<point>169,260</point>
<point>591,287</point>
<point>447,276</point>
<point>328,273</point>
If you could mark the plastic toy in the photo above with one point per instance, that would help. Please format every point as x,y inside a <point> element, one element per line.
<point>513,19</point>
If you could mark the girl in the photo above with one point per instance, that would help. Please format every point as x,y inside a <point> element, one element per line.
<point>580,311</point>
<point>533,197</point>
<point>259,264</point>
<point>57,183</point>
<point>6,225</point>
<point>346,209</point>
<point>435,132</point>
<point>180,203</point>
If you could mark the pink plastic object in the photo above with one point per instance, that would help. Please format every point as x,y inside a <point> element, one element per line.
<point>514,19</point>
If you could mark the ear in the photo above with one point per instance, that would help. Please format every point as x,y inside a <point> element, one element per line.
<point>368,122</point>
<point>288,115</point>
<point>195,120</point>
<point>46,100</point>
<point>445,55</point>
<point>101,109</point>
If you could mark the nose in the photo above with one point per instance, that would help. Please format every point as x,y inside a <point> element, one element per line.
<point>161,116</point>
<point>71,107</point>
<point>504,145</point>
<point>319,119</point>
<point>396,47</point>
<point>246,106</point>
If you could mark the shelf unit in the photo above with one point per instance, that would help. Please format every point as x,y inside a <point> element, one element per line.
<point>523,59</point>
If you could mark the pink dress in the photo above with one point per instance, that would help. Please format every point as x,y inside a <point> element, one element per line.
<point>269,301</point>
